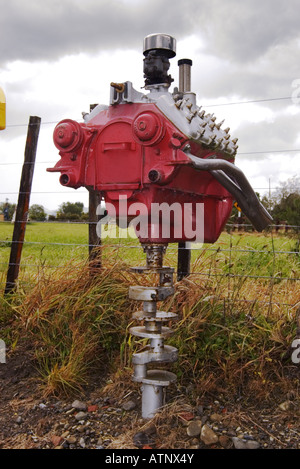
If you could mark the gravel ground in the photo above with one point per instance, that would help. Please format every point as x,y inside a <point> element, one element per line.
<point>99,419</point>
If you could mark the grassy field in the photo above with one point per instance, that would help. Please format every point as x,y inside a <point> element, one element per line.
<point>237,309</point>
<point>52,245</point>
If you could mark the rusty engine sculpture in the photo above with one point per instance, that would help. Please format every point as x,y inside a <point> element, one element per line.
<point>148,150</point>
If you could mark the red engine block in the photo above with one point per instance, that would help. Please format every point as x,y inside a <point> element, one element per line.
<point>133,152</point>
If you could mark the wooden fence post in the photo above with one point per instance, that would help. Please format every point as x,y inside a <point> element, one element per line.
<point>183,261</point>
<point>94,240</point>
<point>23,203</point>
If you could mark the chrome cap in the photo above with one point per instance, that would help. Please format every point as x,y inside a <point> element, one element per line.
<point>162,42</point>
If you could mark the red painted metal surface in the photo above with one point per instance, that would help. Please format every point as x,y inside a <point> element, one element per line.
<point>133,152</point>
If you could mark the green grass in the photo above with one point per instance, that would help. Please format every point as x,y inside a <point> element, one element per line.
<point>54,244</point>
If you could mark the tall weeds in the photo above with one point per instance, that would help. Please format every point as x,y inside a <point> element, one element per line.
<point>77,319</point>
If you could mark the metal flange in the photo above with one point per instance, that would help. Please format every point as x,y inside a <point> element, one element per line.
<point>141,293</point>
<point>141,331</point>
<point>167,354</point>
<point>147,270</point>
<point>160,316</point>
<point>159,378</point>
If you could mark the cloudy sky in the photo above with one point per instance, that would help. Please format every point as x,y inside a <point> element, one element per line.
<point>59,56</point>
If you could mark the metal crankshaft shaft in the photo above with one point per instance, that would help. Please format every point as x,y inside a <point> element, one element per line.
<point>154,382</point>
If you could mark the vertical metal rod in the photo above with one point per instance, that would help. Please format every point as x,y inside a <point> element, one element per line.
<point>23,203</point>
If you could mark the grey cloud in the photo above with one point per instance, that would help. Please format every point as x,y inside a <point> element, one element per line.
<point>270,78</point>
<point>35,30</point>
<point>243,31</point>
<point>239,32</point>
<point>279,135</point>
<point>255,43</point>
<point>246,84</point>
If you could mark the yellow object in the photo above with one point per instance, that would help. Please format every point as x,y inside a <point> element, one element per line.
<point>236,206</point>
<point>2,110</point>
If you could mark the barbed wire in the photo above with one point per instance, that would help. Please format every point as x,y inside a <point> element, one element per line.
<point>170,248</point>
<point>86,191</point>
<point>232,103</point>
<point>252,101</point>
<point>260,152</point>
<point>205,274</point>
<point>231,226</point>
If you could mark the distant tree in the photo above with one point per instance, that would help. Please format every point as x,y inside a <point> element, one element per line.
<point>290,186</point>
<point>268,203</point>
<point>37,212</point>
<point>8,210</point>
<point>85,216</point>
<point>70,211</point>
<point>288,210</point>
<point>284,202</point>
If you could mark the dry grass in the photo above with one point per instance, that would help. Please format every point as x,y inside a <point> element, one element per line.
<point>165,428</point>
<point>73,320</point>
<point>233,334</point>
